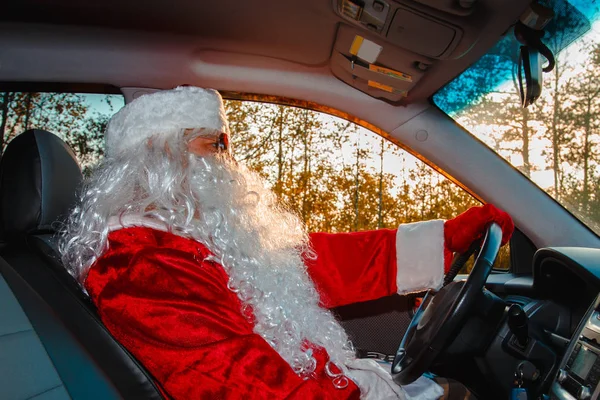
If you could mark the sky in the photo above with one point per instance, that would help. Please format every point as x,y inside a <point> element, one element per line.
<point>542,174</point>
<point>98,103</point>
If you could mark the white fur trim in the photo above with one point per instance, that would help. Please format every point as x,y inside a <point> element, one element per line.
<point>375,383</point>
<point>420,256</point>
<point>132,220</point>
<point>165,112</point>
<point>423,389</point>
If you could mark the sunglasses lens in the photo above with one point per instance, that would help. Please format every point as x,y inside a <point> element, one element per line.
<point>223,142</point>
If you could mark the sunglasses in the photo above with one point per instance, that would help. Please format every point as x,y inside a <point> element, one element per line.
<point>222,143</point>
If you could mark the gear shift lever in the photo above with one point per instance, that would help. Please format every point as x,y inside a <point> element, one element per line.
<point>517,323</point>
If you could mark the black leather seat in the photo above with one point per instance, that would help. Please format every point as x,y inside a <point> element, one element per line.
<point>39,176</point>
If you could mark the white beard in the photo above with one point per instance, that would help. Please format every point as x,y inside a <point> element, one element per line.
<point>261,246</point>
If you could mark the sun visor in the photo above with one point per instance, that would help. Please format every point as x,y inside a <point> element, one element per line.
<point>375,67</point>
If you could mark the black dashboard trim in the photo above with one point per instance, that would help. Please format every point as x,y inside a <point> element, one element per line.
<point>507,283</point>
<point>583,262</point>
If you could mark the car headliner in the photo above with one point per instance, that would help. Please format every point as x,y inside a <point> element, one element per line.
<point>247,32</point>
<point>278,48</point>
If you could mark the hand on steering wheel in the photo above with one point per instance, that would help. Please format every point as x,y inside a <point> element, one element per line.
<point>465,229</point>
<point>441,314</point>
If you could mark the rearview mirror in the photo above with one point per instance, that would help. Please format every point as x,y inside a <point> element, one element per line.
<point>530,75</point>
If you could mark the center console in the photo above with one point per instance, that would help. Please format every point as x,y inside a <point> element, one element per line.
<point>579,373</point>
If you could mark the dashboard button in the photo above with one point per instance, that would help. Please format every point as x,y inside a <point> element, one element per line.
<point>562,376</point>
<point>584,393</point>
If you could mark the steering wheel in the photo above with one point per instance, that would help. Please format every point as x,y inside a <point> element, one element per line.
<point>441,315</point>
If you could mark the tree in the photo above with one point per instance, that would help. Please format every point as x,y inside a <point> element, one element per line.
<point>513,128</point>
<point>331,172</point>
<point>582,114</point>
<point>67,115</point>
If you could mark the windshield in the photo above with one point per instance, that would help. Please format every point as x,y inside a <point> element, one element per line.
<point>555,141</point>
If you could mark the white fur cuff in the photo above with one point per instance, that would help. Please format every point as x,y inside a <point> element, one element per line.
<point>375,383</point>
<point>420,256</point>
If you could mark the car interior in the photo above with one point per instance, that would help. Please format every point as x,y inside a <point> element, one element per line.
<point>377,63</point>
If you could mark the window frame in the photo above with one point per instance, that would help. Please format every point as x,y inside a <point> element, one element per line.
<point>94,88</point>
<point>310,105</point>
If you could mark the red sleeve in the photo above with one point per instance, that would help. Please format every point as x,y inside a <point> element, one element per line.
<point>174,313</point>
<point>353,267</point>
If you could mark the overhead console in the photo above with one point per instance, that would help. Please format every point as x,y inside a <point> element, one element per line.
<point>387,45</point>
<point>380,71</point>
<point>422,34</point>
<point>416,30</point>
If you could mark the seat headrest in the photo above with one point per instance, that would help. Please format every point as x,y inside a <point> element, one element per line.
<point>39,177</point>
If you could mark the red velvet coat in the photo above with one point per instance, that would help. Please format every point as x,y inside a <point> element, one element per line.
<point>172,309</point>
<point>174,312</point>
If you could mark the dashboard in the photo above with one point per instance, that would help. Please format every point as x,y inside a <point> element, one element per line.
<point>559,299</point>
<point>567,275</point>
<point>571,276</point>
<point>579,373</point>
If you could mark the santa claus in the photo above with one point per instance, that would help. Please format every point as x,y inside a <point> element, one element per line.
<point>217,289</point>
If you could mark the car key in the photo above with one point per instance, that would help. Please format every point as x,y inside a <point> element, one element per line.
<point>519,392</point>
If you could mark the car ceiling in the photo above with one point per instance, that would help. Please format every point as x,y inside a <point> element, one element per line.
<point>297,31</point>
<point>302,33</point>
<point>279,49</point>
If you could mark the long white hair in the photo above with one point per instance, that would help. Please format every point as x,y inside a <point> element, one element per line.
<point>230,210</point>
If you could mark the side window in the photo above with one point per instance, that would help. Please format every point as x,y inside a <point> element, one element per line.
<point>79,119</point>
<point>338,176</point>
